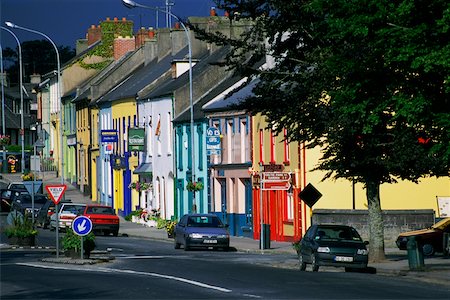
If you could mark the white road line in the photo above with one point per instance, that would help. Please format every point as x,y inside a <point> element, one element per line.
<point>108,270</point>
<point>140,257</point>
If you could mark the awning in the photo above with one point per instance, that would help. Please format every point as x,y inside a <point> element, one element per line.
<point>144,168</point>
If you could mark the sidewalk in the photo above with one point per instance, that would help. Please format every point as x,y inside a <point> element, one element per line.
<point>437,268</point>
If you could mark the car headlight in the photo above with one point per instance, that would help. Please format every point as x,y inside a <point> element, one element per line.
<point>323,249</point>
<point>362,252</point>
<point>195,235</point>
<point>222,236</point>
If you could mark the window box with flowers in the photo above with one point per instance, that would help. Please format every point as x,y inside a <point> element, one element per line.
<point>140,186</point>
<point>4,139</point>
<point>194,186</point>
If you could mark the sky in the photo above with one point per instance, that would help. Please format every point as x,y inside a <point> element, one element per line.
<point>66,21</point>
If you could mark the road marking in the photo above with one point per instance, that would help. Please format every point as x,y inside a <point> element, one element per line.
<point>110,270</point>
<point>139,257</point>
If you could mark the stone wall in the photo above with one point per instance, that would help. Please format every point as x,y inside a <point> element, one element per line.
<point>395,221</point>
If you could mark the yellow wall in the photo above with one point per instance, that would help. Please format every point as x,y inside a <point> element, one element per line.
<point>94,132</point>
<point>402,195</point>
<point>123,109</point>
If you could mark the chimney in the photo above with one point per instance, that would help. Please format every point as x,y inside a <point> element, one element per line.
<point>94,34</point>
<point>123,45</point>
<point>143,35</point>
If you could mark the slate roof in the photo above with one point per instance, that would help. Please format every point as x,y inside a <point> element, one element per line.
<point>233,98</point>
<point>142,77</point>
<point>172,85</point>
<point>198,110</point>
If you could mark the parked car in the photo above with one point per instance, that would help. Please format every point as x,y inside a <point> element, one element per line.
<point>24,204</point>
<point>431,239</point>
<point>17,186</point>
<point>103,218</point>
<point>66,214</point>
<point>333,245</point>
<point>47,210</point>
<point>7,197</point>
<point>201,231</point>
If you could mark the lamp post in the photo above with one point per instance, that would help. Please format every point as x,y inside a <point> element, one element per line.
<point>132,4</point>
<point>3,111</point>
<point>37,145</point>
<point>58,91</point>
<point>22,130</point>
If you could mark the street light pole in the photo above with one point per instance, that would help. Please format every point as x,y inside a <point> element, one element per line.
<point>22,130</point>
<point>58,95</point>
<point>4,169</point>
<point>132,4</point>
<point>58,91</point>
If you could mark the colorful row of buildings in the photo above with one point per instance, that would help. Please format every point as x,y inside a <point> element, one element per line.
<point>133,136</point>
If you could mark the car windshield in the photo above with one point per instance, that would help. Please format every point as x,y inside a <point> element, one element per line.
<point>37,199</point>
<point>73,209</point>
<point>204,221</point>
<point>442,224</point>
<point>100,210</point>
<point>337,233</point>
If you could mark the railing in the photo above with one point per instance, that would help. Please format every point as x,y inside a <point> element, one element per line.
<point>48,164</point>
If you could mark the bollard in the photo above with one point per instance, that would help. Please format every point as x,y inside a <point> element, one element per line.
<point>415,254</point>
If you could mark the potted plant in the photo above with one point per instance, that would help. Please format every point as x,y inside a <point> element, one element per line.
<point>194,186</point>
<point>21,232</point>
<point>71,244</point>
<point>140,186</point>
<point>4,139</point>
<point>170,228</point>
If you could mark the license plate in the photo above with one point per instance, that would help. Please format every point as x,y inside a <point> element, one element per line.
<point>343,258</point>
<point>210,241</point>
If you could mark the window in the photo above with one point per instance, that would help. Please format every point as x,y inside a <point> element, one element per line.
<point>169,133</point>
<point>272,146</point>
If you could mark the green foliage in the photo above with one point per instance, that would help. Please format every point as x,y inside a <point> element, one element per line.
<point>21,227</point>
<point>135,213</point>
<point>110,31</point>
<point>71,241</point>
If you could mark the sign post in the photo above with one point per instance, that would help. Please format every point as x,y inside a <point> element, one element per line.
<point>82,226</point>
<point>56,193</point>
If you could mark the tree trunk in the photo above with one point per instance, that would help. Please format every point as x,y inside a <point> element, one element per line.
<point>376,226</point>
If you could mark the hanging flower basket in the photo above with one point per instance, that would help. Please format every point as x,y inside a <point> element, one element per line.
<point>194,186</point>
<point>140,186</point>
<point>4,140</point>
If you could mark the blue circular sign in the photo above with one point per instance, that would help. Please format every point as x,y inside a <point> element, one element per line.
<point>82,225</point>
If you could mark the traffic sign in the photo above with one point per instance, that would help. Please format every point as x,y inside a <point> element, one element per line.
<point>56,192</point>
<point>276,176</point>
<point>276,185</point>
<point>82,225</point>
<point>213,141</point>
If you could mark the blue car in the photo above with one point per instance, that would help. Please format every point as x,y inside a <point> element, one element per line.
<point>201,231</point>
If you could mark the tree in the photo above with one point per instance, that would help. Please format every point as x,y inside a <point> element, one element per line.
<point>368,81</point>
<point>38,57</point>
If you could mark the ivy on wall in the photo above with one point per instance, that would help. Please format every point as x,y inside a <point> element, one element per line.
<point>110,30</point>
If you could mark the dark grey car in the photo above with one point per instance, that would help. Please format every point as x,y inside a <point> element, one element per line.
<point>24,204</point>
<point>333,245</point>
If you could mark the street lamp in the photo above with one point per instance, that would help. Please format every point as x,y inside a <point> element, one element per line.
<point>22,130</point>
<point>132,4</point>
<point>58,91</point>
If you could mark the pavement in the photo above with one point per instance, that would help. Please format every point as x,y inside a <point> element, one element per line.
<point>436,269</point>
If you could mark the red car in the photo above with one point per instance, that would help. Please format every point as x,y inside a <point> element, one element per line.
<point>103,218</point>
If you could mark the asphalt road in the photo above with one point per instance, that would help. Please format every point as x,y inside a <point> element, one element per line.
<point>145,269</point>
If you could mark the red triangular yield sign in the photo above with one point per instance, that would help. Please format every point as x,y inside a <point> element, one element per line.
<point>56,192</point>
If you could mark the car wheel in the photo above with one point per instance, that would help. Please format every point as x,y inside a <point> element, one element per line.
<point>314,265</point>
<point>301,262</point>
<point>186,246</point>
<point>428,250</point>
